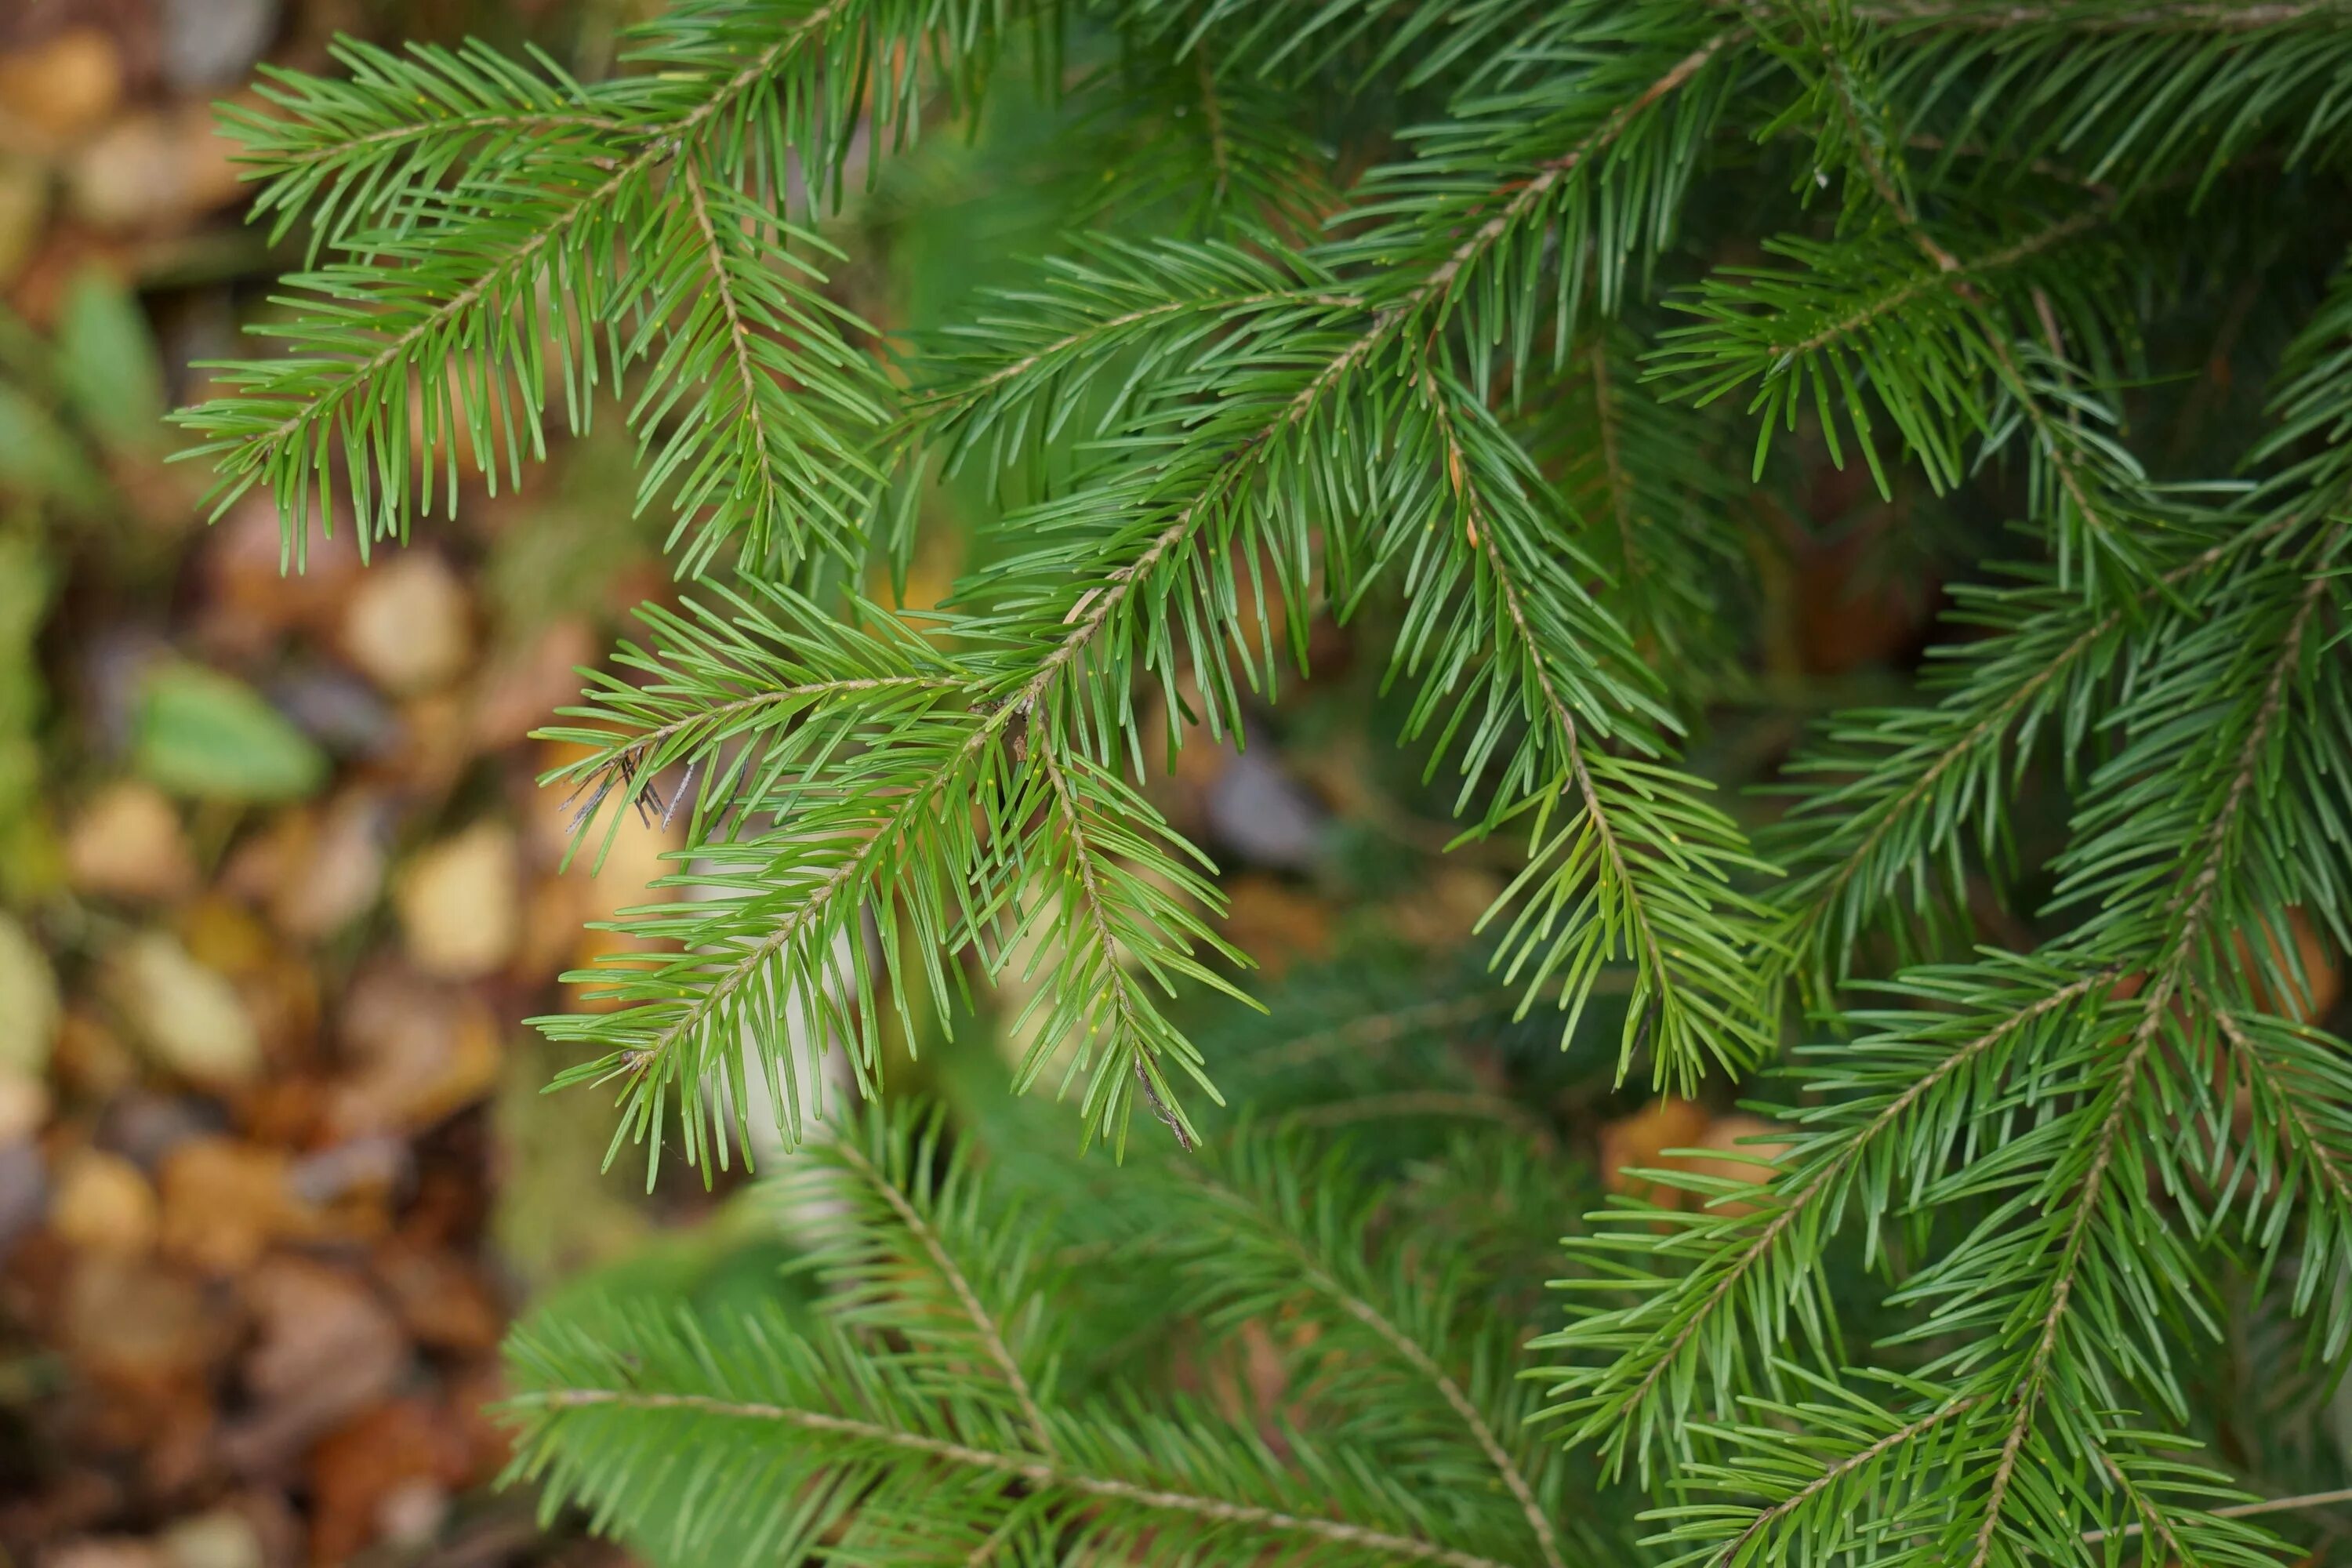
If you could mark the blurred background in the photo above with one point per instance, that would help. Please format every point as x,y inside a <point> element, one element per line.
<point>277,892</point>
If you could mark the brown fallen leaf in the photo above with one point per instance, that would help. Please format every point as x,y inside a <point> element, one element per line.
<point>386,1475</point>
<point>620,859</point>
<point>409,624</point>
<point>441,1298</point>
<point>91,1062</point>
<point>137,1323</point>
<point>414,1052</point>
<point>1639,1141</point>
<point>152,170</point>
<point>523,689</point>
<point>103,1203</point>
<point>63,87</point>
<point>2323,972</point>
<point>248,603</point>
<point>316,869</point>
<point>226,1201</point>
<point>1441,913</point>
<point>326,1349</point>
<point>23,1105</point>
<point>189,1018</point>
<point>127,843</point>
<point>460,903</point>
<point>1274,923</point>
<point>1670,1134</point>
<point>1741,1149</point>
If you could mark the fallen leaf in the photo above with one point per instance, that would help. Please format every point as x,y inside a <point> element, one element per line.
<point>105,1552</point>
<point>39,459</point>
<point>188,1017</point>
<point>2323,972</point>
<point>326,1349</point>
<point>223,1538</point>
<point>127,843</point>
<point>276,989</point>
<point>1274,923</point>
<point>29,1005</point>
<point>431,747</point>
<point>200,732</point>
<point>226,1201</point>
<point>255,592</point>
<point>224,939</point>
<point>102,1203</point>
<point>409,624</point>
<point>1442,910</point>
<point>523,689</point>
<point>458,904</point>
<point>136,1322</point>
<point>23,1105</point>
<point>63,87</point>
<point>1639,1141</point>
<point>417,1051</point>
<point>144,1127</point>
<point>315,868</point>
<point>381,1476</point>
<point>1741,1149</point>
<point>441,1298</point>
<point>152,170</point>
<point>107,364</point>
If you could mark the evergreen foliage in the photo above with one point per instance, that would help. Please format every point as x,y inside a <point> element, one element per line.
<point>1506,329</point>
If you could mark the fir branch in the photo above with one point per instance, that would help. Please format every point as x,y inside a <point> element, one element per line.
<point>1683,964</point>
<point>1839,1470</point>
<point>2246,1511</point>
<point>1919,775</point>
<point>542,243</point>
<point>1658,1342</point>
<point>1313,1276</point>
<point>1270,1215</point>
<point>2025,1396</point>
<point>872,1426</point>
<point>991,1337</point>
<point>1012,1465</point>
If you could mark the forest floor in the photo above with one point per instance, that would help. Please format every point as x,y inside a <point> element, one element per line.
<point>278,890</point>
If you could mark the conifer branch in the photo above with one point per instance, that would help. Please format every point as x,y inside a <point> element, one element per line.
<point>1861,1458</point>
<point>2192,901</point>
<point>2026,1396</point>
<point>1233,404</point>
<point>1605,422</point>
<point>1898,800</point>
<point>1019,1467</point>
<point>1411,1353</point>
<point>2295,1110</point>
<point>1776,1217</point>
<point>991,1337</point>
<point>1135,1015</point>
<point>1644,941</point>
<point>1531,192</point>
<point>739,338</point>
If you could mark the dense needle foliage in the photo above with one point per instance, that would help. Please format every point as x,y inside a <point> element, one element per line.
<point>1510,329</point>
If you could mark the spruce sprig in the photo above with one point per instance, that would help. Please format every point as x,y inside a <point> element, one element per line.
<point>1379,339</point>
